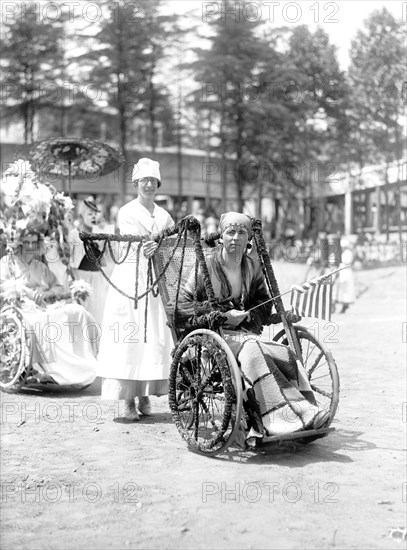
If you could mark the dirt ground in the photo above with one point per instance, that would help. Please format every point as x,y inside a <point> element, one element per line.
<point>73,478</point>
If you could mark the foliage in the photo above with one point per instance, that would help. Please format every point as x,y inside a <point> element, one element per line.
<point>376,76</point>
<point>31,57</point>
<point>122,59</point>
<point>275,101</point>
<point>223,71</point>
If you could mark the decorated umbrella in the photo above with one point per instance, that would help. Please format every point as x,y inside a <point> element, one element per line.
<point>71,157</point>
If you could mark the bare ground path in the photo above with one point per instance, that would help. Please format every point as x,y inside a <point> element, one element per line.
<point>72,478</point>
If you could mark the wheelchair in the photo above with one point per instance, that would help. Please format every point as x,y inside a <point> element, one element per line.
<point>16,349</point>
<point>205,381</point>
<point>24,360</point>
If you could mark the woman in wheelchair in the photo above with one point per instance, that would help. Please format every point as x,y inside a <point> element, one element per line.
<point>277,395</point>
<point>62,335</point>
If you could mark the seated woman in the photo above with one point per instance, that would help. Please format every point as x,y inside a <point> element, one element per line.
<point>64,335</point>
<point>272,377</point>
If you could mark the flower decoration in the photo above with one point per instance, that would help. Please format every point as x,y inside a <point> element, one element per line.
<point>12,290</point>
<point>64,201</point>
<point>80,290</point>
<point>27,203</point>
<point>11,347</point>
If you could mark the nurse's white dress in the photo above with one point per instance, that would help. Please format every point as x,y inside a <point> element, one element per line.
<point>130,367</point>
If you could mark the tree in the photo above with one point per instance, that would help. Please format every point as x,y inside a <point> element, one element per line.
<point>123,57</point>
<point>225,71</point>
<point>377,72</point>
<point>32,56</point>
<point>162,33</point>
<point>275,109</point>
<point>319,85</point>
<point>376,76</point>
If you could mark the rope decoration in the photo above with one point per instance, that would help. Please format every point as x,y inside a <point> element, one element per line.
<point>118,262</point>
<point>138,250</point>
<point>211,239</point>
<point>190,225</point>
<point>265,262</point>
<point>212,320</point>
<point>196,288</point>
<point>108,238</point>
<point>196,238</point>
<point>179,277</point>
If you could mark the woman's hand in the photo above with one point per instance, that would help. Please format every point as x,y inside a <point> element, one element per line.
<point>39,298</point>
<point>149,248</point>
<point>29,292</point>
<point>49,296</point>
<point>234,317</point>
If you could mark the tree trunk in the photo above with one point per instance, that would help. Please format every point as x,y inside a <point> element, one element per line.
<point>259,198</point>
<point>24,106</point>
<point>122,106</point>
<point>31,107</point>
<point>239,163</point>
<point>179,151</point>
<point>223,158</point>
<point>208,160</point>
<point>399,195</point>
<point>123,138</point>
<point>151,112</point>
<point>386,199</point>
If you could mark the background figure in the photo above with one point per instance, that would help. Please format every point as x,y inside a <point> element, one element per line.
<point>200,216</point>
<point>344,288</point>
<point>52,255</point>
<point>129,366</point>
<point>316,261</point>
<point>113,213</point>
<point>211,224</point>
<point>82,266</point>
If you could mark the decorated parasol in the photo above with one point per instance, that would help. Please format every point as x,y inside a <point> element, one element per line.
<point>71,158</point>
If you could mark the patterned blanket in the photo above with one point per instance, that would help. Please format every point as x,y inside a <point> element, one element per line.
<point>273,400</point>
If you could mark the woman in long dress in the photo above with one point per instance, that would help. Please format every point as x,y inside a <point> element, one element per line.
<point>344,288</point>
<point>64,338</point>
<point>129,366</point>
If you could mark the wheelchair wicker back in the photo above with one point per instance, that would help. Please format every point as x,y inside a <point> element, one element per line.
<point>180,263</point>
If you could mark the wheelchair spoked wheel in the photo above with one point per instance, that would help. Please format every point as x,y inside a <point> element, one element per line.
<point>320,367</point>
<point>205,392</point>
<point>15,348</point>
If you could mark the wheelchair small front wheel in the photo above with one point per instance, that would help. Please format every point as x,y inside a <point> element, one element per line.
<point>205,392</point>
<point>15,348</point>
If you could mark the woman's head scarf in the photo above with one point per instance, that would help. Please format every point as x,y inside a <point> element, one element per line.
<point>235,219</point>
